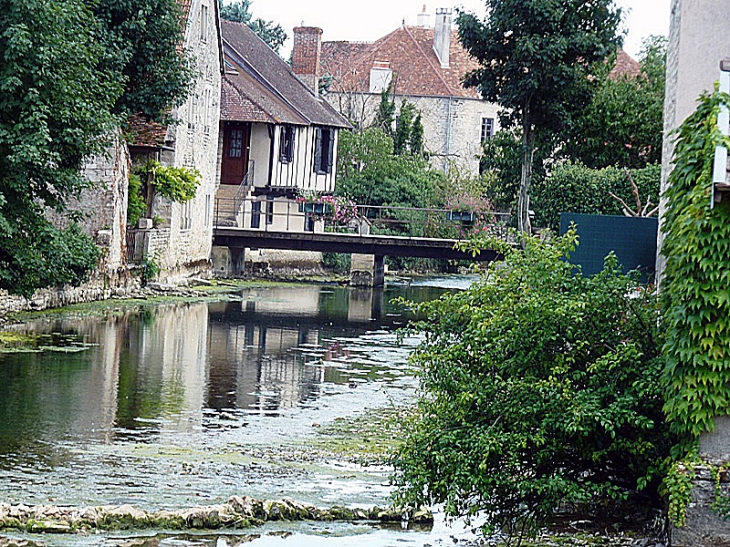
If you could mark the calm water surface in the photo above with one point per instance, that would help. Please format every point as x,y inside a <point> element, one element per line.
<point>176,405</point>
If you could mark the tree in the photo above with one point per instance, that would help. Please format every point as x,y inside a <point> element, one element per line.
<point>623,124</point>
<point>56,102</point>
<point>240,12</point>
<point>535,57</point>
<point>71,71</point>
<point>385,117</point>
<point>141,42</point>
<point>539,390</point>
<point>369,173</point>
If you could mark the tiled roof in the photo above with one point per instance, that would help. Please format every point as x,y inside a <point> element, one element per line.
<point>415,65</point>
<point>625,66</point>
<point>266,85</point>
<point>146,132</point>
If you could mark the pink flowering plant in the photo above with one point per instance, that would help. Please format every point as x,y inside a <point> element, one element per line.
<point>336,209</point>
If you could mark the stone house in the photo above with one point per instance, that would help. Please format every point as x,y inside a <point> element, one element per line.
<point>424,65</point>
<point>277,137</point>
<point>180,239</point>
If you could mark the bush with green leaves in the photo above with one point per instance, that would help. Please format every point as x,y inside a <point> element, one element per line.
<point>178,184</point>
<point>540,389</point>
<point>574,188</point>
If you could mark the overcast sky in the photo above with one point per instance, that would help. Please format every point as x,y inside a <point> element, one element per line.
<point>368,20</point>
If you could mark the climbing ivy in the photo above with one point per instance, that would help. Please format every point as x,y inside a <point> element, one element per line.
<point>696,298</point>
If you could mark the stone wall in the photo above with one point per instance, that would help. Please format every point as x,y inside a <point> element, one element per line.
<point>104,203</point>
<point>100,287</point>
<point>451,125</point>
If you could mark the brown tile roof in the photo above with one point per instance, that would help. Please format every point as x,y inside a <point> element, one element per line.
<point>415,65</point>
<point>266,81</point>
<point>145,132</point>
<point>625,66</point>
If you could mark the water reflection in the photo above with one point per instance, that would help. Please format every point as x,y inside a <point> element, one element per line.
<point>162,370</point>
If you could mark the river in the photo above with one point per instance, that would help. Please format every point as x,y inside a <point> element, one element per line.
<point>173,405</point>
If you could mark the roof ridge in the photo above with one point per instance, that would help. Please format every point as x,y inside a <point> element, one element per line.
<point>428,60</point>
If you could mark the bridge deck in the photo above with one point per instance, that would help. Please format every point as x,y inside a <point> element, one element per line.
<point>379,245</point>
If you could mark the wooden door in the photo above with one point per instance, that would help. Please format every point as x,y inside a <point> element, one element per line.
<point>236,145</point>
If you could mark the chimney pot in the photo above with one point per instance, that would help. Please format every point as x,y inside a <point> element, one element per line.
<point>423,19</point>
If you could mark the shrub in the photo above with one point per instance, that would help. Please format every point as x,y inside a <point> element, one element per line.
<point>539,388</point>
<point>574,188</point>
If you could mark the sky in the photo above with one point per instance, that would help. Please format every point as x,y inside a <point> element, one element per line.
<point>368,20</point>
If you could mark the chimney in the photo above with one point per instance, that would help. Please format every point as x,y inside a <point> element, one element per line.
<point>442,36</point>
<point>423,19</point>
<point>305,55</point>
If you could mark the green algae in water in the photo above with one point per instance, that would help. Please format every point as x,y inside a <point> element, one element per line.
<point>16,342</point>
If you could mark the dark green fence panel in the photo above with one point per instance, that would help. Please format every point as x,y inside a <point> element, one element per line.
<point>632,239</point>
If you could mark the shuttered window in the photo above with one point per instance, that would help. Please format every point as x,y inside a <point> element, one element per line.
<point>324,150</point>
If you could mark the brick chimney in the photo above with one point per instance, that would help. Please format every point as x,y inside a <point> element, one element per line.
<point>442,36</point>
<point>306,54</point>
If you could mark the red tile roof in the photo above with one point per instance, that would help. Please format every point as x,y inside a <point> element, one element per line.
<point>625,66</point>
<point>415,65</point>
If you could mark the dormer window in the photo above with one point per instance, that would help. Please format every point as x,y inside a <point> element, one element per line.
<point>286,144</point>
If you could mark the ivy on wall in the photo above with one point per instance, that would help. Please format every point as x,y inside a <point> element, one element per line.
<point>179,184</point>
<point>696,286</point>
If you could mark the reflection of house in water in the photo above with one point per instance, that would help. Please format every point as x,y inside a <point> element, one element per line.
<point>168,374</point>
<point>253,362</point>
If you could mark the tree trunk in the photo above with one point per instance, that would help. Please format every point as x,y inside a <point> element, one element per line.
<point>528,151</point>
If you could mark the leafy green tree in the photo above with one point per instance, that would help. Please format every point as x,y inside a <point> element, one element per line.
<point>539,388</point>
<point>141,42</point>
<point>502,158</point>
<point>240,12</point>
<point>574,188</point>
<point>56,101</point>
<point>370,174</point>
<point>535,57</point>
<point>623,124</point>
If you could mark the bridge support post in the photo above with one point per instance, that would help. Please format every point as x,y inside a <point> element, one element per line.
<point>367,270</point>
<point>238,257</point>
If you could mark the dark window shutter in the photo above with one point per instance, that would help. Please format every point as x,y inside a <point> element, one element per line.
<point>318,151</point>
<point>330,149</point>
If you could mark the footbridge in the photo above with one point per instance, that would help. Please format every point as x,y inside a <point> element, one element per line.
<point>369,236</point>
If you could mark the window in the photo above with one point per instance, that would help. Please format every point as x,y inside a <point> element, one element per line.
<point>186,217</point>
<point>235,146</point>
<point>487,128</point>
<point>203,23</point>
<point>269,210</point>
<point>323,150</point>
<point>206,114</point>
<point>286,144</point>
<point>207,210</point>
<point>256,214</point>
